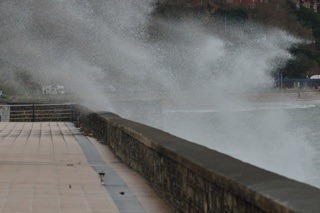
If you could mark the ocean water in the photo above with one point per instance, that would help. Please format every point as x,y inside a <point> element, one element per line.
<point>281,137</point>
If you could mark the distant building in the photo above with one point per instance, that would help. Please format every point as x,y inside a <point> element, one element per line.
<point>301,83</point>
<point>53,90</point>
<point>214,4</point>
<point>310,4</point>
<point>315,77</point>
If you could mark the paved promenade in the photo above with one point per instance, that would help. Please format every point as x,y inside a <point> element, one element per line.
<point>51,167</point>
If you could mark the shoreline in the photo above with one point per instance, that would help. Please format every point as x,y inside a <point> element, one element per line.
<point>284,95</point>
<point>206,101</point>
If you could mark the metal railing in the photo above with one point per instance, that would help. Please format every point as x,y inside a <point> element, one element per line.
<point>41,112</point>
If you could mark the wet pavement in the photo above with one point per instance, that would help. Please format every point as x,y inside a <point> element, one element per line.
<point>52,167</point>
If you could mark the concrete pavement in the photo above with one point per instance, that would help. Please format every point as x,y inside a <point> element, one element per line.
<point>44,169</point>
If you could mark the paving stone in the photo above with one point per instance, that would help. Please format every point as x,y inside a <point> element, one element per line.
<point>44,169</point>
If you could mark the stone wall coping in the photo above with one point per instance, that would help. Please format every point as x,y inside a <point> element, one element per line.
<point>267,190</point>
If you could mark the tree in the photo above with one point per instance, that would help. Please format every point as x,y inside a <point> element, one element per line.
<point>279,14</point>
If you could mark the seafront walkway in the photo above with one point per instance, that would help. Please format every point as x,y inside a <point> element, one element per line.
<point>52,167</point>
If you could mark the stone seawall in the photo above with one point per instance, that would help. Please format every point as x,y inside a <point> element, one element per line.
<point>193,178</point>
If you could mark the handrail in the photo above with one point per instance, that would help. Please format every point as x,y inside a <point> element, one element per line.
<point>41,112</point>
<point>39,104</point>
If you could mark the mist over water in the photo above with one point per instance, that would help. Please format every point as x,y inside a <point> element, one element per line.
<point>110,51</point>
<point>90,45</point>
<point>275,138</point>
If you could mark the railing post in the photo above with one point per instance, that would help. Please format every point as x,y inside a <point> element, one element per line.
<point>33,114</point>
<point>72,112</point>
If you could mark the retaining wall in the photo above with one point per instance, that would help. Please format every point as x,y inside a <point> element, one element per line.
<point>193,178</point>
